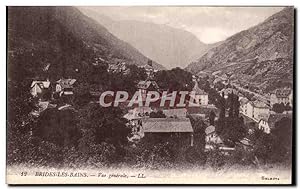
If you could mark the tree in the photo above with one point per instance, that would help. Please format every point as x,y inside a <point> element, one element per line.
<point>279,108</point>
<point>288,107</point>
<point>175,79</point>
<point>58,127</point>
<point>219,86</point>
<point>82,94</point>
<point>263,145</point>
<point>283,139</point>
<point>234,129</point>
<point>128,81</point>
<point>158,114</point>
<point>276,146</point>
<point>212,117</point>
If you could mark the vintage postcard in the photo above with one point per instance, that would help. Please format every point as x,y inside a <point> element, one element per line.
<point>150,95</point>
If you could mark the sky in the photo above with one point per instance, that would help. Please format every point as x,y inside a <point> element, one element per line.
<point>209,24</point>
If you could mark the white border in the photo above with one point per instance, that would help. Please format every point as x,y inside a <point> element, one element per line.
<point>110,2</point>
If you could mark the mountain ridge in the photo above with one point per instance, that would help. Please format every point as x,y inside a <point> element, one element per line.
<point>64,38</point>
<point>172,47</point>
<point>259,56</point>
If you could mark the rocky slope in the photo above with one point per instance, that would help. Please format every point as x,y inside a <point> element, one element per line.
<point>166,45</point>
<point>62,39</point>
<point>261,56</point>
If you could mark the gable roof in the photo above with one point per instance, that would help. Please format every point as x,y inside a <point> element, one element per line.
<point>282,93</point>
<point>121,66</point>
<point>229,91</point>
<point>167,125</point>
<point>147,66</point>
<point>42,106</point>
<point>66,83</point>
<point>179,112</point>
<point>42,84</point>
<point>146,84</point>
<point>210,129</point>
<point>259,104</point>
<point>245,141</point>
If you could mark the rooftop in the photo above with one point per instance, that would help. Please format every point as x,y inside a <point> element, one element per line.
<point>229,91</point>
<point>282,93</point>
<point>66,83</point>
<point>179,112</point>
<point>210,129</point>
<point>244,101</point>
<point>259,104</point>
<point>146,84</point>
<point>167,125</point>
<point>42,84</point>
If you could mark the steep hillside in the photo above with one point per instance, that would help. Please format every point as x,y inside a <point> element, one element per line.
<point>166,45</point>
<point>63,39</point>
<point>261,56</point>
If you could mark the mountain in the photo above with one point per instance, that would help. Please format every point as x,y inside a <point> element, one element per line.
<point>261,56</point>
<point>166,45</point>
<point>64,40</point>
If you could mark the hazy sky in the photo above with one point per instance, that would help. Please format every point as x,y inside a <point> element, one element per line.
<point>209,24</point>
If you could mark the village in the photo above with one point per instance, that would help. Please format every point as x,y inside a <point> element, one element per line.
<point>170,121</point>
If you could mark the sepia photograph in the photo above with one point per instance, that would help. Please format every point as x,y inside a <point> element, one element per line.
<point>150,95</point>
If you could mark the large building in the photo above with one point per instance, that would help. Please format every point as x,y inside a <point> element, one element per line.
<point>168,127</point>
<point>175,113</point>
<point>145,86</point>
<point>38,87</point>
<point>199,96</point>
<point>243,105</point>
<point>260,110</point>
<point>268,123</point>
<point>149,69</point>
<point>254,109</point>
<point>284,95</point>
<point>65,86</point>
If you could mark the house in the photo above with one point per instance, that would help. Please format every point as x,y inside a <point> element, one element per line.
<point>135,123</point>
<point>167,127</point>
<point>138,112</point>
<point>149,69</point>
<point>145,86</point>
<point>42,106</point>
<point>211,138</point>
<point>65,86</point>
<point>227,91</point>
<point>120,67</point>
<point>244,144</point>
<point>284,95</point>
<point>198,95</point>
<point>243,105</point>
<point>38,87</point>
<point>267,124</point>
<point>203,111</point>
<point>260,110</point>
<point>175,113</point>
<point>255,110</point>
